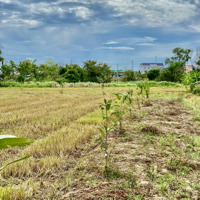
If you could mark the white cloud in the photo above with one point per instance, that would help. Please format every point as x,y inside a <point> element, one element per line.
<point>111,42</point>
<point>133,40</point>
<point>5,1</point>
<point>153,13</point>
<point>55,8</point>
<point>143,13</point>
<point>162,50</point>
<point>195,28</point>
<point>117,48</point>
<point>16,22</point>
<point>81,12</point>
<point>43,8</point>
<point>197,1</point>
<point>146,44</point>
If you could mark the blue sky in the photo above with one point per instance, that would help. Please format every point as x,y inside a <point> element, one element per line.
<point>112,31</point>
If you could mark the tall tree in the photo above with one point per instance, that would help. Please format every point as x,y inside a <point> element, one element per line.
<point>7,72</point>
<point>129,75</point>
<point>176,64</point>
<point>72,74</point>
<point>48,71</point>
<point>180,55</point>
<point>25,68</point>
<point>97,72</point>
<point>173,73</point>
<point>92,71</point>
<point>105,73</point>
<point>198,62</point>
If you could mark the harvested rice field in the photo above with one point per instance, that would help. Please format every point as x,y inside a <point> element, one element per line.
<point>157,156</point>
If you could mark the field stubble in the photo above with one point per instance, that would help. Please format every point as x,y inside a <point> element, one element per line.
<point>158,156</point>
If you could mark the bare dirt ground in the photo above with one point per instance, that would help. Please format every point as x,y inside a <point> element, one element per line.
<point>158,157</point>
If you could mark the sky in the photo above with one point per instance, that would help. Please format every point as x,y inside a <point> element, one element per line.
<point>118,32</point>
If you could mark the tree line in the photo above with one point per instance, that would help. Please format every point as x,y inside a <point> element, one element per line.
<point>28,71</point>
<point>92,71</point>
<point>174,72</point>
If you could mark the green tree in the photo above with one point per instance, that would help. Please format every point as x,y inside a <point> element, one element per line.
<point>1,58</point>
<point>153,74</point>
<point>198,62</point>
<point>62,70</point>
<point>52,70</point>
<point>35,71</point>
<point>176,66</point>
<point>105,73</point>
<point>7,72</point>
<point>97,72</point>
<point>24,68</point>
<point>172,73</point>
<point>72,75</point>
<point>129,75</point>
<point>139,76</point>
<point>43,72</point>
<point>92,71</point>
<point>13,65</point>
<point>48,71</point>
<point>180,55</point>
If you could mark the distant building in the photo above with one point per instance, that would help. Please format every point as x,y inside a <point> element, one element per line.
<point>148,66</point>
<point>117,73</point>
<point>189,68</point>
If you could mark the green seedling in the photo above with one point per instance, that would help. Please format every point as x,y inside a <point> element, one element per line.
<point>144,88</point>
<point>119,109</point>
<point>105,108</point>
<point>103,91</point>
<point>130,101</point>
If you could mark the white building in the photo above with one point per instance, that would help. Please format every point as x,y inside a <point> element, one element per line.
<point>189,68</point>
<point>148,66</point>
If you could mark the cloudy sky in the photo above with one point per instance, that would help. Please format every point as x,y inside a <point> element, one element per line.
<point>112,31</point>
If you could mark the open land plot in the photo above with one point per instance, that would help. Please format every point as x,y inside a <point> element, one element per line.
<point>158,156</point>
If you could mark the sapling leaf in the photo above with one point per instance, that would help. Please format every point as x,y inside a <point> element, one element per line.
<point>104,117</point>
<point>14,162</point>
<point>110,101</point>
<point>108,106</point>
<point>9,140</point>
<point>102,132</point>
<point>118,95</point>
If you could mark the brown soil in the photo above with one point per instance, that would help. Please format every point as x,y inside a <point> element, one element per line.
<point>152,148</point>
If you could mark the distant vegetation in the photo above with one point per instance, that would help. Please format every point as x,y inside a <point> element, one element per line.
<point>49,74</point>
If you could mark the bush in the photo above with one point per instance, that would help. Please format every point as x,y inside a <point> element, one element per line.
<point>153,74</point>
<point>20,79</point>
<point>29,84</point>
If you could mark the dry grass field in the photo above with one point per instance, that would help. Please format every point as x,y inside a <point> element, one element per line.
<point>158,156</point>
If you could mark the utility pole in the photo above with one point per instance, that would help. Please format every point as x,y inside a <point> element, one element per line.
<point>117,74</point>
<point>156,59</point>
<point>132,65</point>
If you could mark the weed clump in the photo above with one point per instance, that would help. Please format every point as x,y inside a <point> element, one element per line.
<point>150,129</point>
